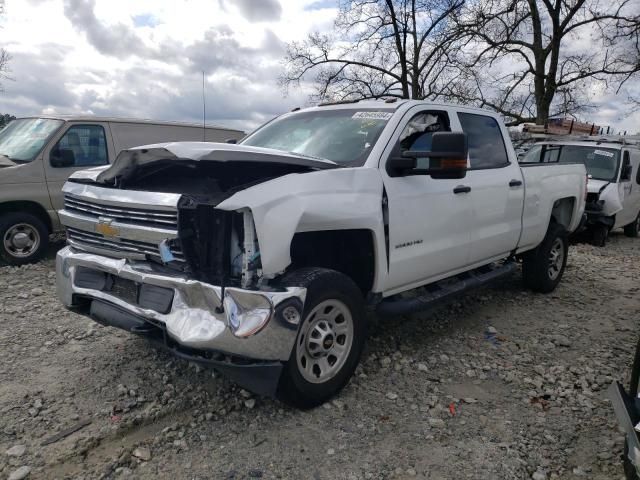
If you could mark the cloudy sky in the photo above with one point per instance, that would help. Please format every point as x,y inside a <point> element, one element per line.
<point>144,58</point>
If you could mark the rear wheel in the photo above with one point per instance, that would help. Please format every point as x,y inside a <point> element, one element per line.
<point>542,268</point>
<point>330,338</point>
<point>24,238</point>
<point>633,228</point>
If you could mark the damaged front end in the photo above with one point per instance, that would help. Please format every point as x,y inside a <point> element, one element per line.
<point>149,252</point>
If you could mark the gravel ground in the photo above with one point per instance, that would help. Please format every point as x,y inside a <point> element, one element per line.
<point>501,384</point>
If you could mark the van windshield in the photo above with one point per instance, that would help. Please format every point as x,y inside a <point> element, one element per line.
<point>22,139</point>
<point>344,136</point>
<point>601,163</point>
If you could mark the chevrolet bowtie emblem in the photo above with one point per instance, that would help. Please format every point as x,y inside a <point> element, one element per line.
<point>105,228</point>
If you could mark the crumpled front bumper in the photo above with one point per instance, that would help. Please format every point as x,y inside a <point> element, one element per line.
<point>200,316</point>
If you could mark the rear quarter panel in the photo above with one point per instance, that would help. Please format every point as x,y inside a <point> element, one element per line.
<point>545,184</point>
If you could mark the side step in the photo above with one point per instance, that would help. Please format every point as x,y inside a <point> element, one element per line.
<point>443,290</point>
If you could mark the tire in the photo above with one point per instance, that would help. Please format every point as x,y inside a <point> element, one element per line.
<point>633,228</point>
<point>542,268</point>
<point>599,235</point>
<point>24,238</point>
<point>317,344</point>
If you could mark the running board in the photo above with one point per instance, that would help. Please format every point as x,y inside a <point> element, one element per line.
<point>444,289</point>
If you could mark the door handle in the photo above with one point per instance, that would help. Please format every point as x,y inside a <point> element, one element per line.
<point>461,189</point>
<point>515,183</point>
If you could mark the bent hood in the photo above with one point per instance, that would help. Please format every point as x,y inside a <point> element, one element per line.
<point>128,161</point>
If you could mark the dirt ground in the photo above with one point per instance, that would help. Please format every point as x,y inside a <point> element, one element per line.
<point>502,384</point>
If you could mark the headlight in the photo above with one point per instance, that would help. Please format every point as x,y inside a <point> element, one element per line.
<point>247,314</point>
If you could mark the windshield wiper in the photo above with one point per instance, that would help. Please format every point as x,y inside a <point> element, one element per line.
<point>312,157</point>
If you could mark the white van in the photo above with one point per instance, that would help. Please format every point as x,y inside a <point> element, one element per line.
<point>613,198</point>
<point>38,154</point>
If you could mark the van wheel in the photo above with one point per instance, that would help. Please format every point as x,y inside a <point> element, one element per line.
<point>24,238</point>
<point>543,267</point>
<point>633,228</point>
<point>330,338</point>
<point>599,235</point>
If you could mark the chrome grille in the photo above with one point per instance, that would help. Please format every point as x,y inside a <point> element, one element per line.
<point>83,238</point>
<point>134,216</point>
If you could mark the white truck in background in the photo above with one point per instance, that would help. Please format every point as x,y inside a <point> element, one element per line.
<point>613,167</point>
<point>260,258</point>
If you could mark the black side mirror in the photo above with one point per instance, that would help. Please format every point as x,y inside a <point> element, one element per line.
<point>62,157</point>
<point>625,174</point>
<point>447,158</point>
<point>232,141</point>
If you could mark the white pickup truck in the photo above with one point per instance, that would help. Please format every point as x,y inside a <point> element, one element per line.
<point>261,258</point>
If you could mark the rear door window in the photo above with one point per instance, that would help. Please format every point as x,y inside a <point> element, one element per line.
<point>486,144</point>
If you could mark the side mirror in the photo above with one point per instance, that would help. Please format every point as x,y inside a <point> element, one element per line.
<point>232,141</point>
<point>62,157</point>
<point>625,174</point>
<point>447,158</point>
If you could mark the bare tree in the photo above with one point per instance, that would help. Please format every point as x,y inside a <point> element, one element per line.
<point>4,56</point>
<point>532,59</point>
<point>396,48</point>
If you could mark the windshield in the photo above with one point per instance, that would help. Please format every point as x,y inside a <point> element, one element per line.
<point>601,163</point>
<point>344,136</point>
<point>22,139</point>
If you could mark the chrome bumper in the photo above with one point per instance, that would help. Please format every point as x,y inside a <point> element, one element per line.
<point>199,317</point>
<point>617,394</point>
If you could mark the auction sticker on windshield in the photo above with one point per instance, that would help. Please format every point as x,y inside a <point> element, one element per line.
<point>373,115</point>
<point>603,153</point>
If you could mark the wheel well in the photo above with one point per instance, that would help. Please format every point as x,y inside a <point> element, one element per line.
<point>563,211</point>
<point>350,252</point>
<point>29,207</point>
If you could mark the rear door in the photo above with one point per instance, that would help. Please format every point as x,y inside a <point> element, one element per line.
<point>497,189</point>
<point>82,145</point>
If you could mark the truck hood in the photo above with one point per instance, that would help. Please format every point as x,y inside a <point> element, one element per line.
<point>595,186</point>
<point>129,162</point>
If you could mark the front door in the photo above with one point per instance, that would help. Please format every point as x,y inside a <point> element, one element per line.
<point>80,146</point>
<point>429,219</point>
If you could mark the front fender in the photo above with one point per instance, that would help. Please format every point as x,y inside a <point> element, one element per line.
<point>339,199</point>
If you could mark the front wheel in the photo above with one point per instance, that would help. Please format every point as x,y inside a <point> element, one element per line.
<point>633,228</point>
<point>24,238</point>
<point>330,338</point>
<point>542,268</point>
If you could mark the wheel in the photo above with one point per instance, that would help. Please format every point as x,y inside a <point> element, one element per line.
<point>599,235</point>
<point>24,236</point>
<point>543,267</point>
<point>633,228</point>
<point>330,338</point>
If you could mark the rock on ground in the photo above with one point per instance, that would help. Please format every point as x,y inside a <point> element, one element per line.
<point>501,383</point>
